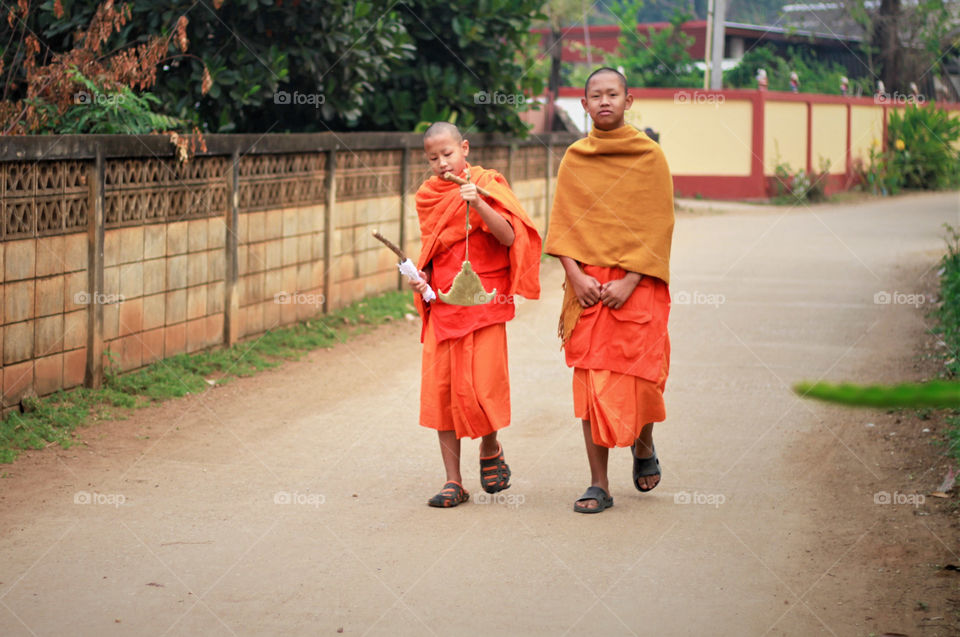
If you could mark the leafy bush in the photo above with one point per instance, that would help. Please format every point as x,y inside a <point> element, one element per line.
<point>798,186</point>
<point>949,311</point>
<point>264,66</point>
<point>920,142</point>
<point>109,112</point>
<point>878,175</point>
<point>84,86</point>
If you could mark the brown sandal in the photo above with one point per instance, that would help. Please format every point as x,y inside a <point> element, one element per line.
<point>494,473</point>
<point>450,495</point>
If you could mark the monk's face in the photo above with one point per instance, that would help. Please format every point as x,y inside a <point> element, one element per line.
<point>606,101</point>
<point>444,153</point>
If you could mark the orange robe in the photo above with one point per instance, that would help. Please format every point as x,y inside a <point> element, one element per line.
<point>621,359</point>
<point>465,385</point>
<point>613,213</point>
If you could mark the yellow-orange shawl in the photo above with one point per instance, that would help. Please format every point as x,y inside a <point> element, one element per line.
<point>613,207</point>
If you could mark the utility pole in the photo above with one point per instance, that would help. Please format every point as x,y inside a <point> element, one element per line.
<point>717,40</point>
<point>706,46</point>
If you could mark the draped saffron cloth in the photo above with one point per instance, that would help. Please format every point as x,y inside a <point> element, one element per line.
<point>613,214</point>
<point>464,379</point>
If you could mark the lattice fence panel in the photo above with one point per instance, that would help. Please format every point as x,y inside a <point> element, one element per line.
<point>366,174</point>
<point>148,190</point>
<point>530,162</point>
<point>42,197</point>
<point>282,181</point>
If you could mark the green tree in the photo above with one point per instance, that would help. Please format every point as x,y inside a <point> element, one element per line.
<point>86,88</point>
<point>907,42</point>
<point>249,52</point>
<point>475,63</point>
<point>265,66</point>
<point>662,59</point>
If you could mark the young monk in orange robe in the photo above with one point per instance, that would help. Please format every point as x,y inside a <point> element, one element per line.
<point>611,227</point>
<point>465,385</point>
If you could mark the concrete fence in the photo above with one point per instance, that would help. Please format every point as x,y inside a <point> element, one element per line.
<point>112,250</point>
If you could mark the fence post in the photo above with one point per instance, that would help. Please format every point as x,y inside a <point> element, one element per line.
<point>404,179</point>
<point>231,301</point>
<point>93,376</point>
<point>511,163</point>
<point>328,226</point>
<point>848,158</point>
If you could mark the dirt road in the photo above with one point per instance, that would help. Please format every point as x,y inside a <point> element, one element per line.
<point>293,503</point>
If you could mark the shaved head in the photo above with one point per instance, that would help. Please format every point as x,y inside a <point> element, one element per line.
<point>606,69</point>
<point>443,128</point>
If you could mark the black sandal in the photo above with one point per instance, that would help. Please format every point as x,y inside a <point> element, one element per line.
<point>450,495</point>
<point>645,467</point>
<point>494,473</point>
<point>604,501</point>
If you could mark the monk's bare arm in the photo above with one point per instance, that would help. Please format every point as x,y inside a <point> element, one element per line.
<point>615,293</point>
<point>585,286</point>
<point>499,227</point>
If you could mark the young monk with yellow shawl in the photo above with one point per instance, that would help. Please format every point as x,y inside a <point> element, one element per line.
<point>465,385</point>
<point>611,227</point>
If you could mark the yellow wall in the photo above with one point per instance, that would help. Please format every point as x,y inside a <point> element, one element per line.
<point>784,136</point>
<point>829,126</point>
<point>698,137</point>
<point>866,129</point>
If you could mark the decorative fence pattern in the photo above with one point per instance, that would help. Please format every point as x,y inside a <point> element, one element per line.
<point>113,253</point>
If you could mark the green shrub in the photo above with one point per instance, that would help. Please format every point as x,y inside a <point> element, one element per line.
<point>878,175</point>
<point>920,142</point>
<point>949,311</point>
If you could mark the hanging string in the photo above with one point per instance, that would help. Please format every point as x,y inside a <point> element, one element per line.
<point>466,250</point>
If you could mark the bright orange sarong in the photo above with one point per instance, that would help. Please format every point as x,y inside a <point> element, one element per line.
<point>621,359</point>
<point>465,382</point>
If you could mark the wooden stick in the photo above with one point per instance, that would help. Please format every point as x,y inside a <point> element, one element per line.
<point>390,244</point>
<point>449,176</point>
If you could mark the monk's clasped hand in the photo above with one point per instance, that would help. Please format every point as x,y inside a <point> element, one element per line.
<point>468,192</point>
<point>587,289</point>
<point>615,293</point>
